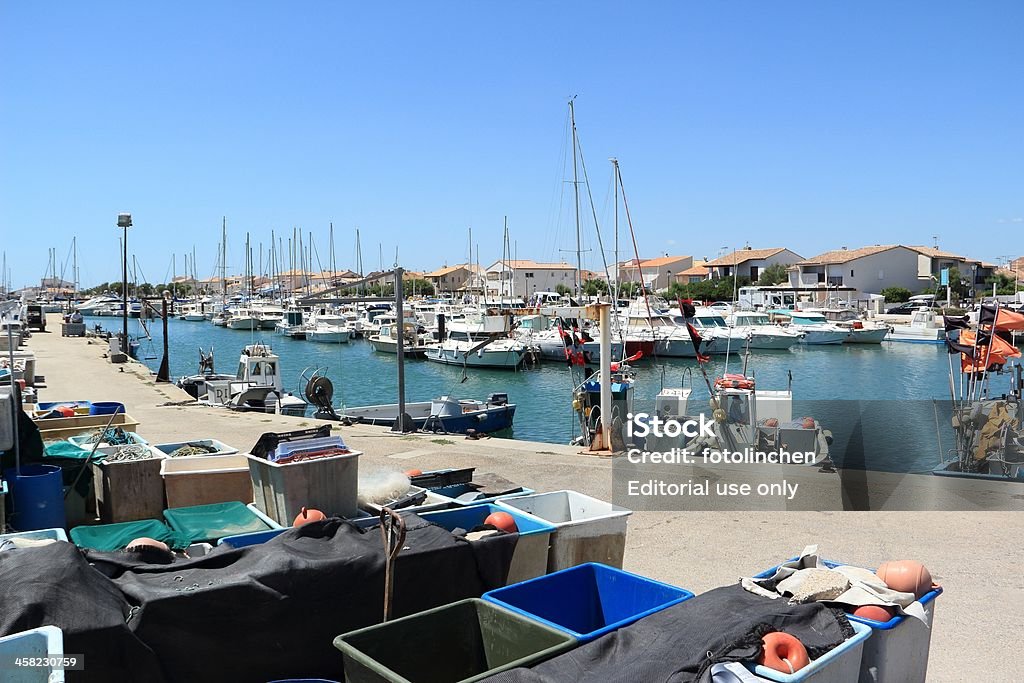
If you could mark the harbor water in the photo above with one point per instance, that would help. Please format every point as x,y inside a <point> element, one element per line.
<point>896,381</point>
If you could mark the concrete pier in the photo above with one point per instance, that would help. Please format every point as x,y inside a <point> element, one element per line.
<point>977,556</point>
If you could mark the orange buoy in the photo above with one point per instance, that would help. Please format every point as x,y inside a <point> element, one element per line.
<point>413,473</point>
<point>881,613</point>
<point>308,515</point>
<point>906,576</point>
<point>783,653</point>
<point>503,521</point>
<point>807,423</point>
<point>66,411</point>
<point>146,542</point>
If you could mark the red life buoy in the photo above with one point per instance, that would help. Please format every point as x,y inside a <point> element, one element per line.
<point>783,653</point>
<point>734,381</point>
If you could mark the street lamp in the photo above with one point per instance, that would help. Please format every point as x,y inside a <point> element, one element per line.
<point>124,220</point>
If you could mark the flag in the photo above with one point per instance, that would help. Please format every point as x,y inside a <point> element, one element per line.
<point>955,323</point>
<point>987,315</point>
<point>954,346</point>
<point>1000,352</point>
<point>687,308</point>
<point>695,338</point>
<point>1007,320</point>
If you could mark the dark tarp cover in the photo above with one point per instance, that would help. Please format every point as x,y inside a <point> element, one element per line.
<point>681,643</point>
<point>259,614</point>
<point>54,585</point>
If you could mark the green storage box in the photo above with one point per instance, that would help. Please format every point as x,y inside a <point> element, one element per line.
<point>465,641</point>
<point>210,523</point>
<point>112,537</point>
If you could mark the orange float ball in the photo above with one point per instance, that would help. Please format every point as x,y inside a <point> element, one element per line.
<point>413,473</point>
<point>881,613</point>
<point>783,653</point>
<point>503,521</point>
<point>906,576</point>
<point>307,516</point>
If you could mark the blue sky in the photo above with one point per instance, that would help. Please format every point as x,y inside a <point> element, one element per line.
<point>801,124</point>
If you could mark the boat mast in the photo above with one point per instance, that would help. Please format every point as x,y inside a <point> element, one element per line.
<point>195,280</point>
<point>576,200</point>
<point>332,264</point>
<point>224,258</point>
<point>636,250</point>
<point>359,263</point>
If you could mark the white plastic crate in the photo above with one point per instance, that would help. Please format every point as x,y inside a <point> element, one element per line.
<point>840,665</point>
<point>897,651</point>
<point>586,529</point>
<point>328,484</point>
<point>45,641</point>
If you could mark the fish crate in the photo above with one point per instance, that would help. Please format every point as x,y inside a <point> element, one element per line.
<point>530,558</point>
<point>57,428</point>
<point>29,538</point>
<point>131,489</point>
<point>589,600</point>
<point>204,479</point>
<point>329,484</point>
<point>210,523</point>
<point>45,642</point>
<point>841,664</point>
<point>898,649</point>
<point>586,529</point>
<point>462,642</point>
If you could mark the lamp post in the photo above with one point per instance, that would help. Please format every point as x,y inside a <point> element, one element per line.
<point>124,220</point>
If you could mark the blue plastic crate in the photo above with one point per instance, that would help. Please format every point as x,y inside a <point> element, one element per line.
<point>588,600</point>
<point>45,641</point>
<point>474,515</point>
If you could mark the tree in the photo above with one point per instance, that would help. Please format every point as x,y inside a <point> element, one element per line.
<point>773,275</point>
<point>959,286</point>
<point>629,289</point>
<point>595,287</point>
<point>417,285</point>
<point>1004,284</point>
<point>896,295</point>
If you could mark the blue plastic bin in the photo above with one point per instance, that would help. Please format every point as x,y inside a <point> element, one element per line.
<point>455,490</point>
<point>252,538</point>
<point>45,641</point>
<point>105,408</point>
<point>38,493</point>
<point>530,558</point>
<point>898,649</point>
<point>588,600</point>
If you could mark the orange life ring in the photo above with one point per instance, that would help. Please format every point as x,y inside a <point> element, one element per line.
<point>734,381</point>
<point>783,653</point>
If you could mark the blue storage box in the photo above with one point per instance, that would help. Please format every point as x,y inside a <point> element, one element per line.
<point>589,600</point>
<point>898,649</point>
<point>530,558</point>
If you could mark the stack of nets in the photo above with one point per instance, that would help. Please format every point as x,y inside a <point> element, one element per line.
<point>192,449</point>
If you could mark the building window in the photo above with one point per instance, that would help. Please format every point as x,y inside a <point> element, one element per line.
<point>821,277</point>
<point>529,274</point>
<point>835,281</point>
<point>851,272</point>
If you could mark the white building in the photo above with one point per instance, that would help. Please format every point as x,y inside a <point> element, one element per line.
<point>655,273</point>
<point>867,270</point>
<point>523,278</point>
<point>748,262</point>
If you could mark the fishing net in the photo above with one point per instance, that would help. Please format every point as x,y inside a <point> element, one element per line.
<point>192,449</point>
<point>130,453</point>
<point>213,522</point>
<point>115,436</point>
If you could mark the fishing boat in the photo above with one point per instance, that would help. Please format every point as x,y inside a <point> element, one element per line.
<point>194,385</point>
<point>326,333</point>
<point>988,406</point>
<point>268,315</point>
<point>476,344</point>
<point>925,327</point>
<point>414,343</point>
<point>555,340</point>
<point>443,415</point>
<point>759,333</point>
<point>816,330</point>
<point>859,330</point>
<point>586,402</point>
<point>243,319</point>
<point>292,324</point>
<point>257,387</point>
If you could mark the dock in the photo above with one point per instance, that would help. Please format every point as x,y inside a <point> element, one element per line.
<point>973,555</point>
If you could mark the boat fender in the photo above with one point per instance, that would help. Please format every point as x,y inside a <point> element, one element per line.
<point>783,653</point>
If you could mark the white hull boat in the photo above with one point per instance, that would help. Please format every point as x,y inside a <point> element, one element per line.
<point>328,334</point>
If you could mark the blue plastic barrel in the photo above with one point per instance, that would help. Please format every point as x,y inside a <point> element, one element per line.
<point>38,494</point>
<point>105,408</point>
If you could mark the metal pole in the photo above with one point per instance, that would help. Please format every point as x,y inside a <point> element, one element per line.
<point>164,375</point>
<point>14,394</point>
<point>400,425</point>
<point>124,292</point>
<point>606,373</point>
